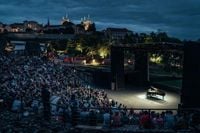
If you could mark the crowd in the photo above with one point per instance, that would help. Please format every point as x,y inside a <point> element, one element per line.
<point>23,78</point>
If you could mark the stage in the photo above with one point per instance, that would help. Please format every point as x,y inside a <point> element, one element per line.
<point>136,98</point>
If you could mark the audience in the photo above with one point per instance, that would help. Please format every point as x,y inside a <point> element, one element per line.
<point>23,78</point>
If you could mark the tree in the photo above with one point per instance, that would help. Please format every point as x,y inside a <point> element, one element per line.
<point>162,37</point>
<point>91,52</point>
<point>79,47</point>
<point>148,39</point>
<point>104,51</point>
<point>142,37</point>
<point>128,39</point>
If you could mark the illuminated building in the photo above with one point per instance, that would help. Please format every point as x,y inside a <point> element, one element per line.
<point>33,25</point>
<point>17,27</point>
<point>88,24</point>
<point>65,20</point>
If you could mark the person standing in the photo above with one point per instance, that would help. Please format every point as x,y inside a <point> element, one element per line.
<point>46,103</point>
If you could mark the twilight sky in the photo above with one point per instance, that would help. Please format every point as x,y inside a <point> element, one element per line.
<point>179,18</point>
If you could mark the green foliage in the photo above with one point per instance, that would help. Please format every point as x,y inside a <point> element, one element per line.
<point>89,45</point>
<point>98,46</point>
<point>148,39</point>
<point>104,51</point>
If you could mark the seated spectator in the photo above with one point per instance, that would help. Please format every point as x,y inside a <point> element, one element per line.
<point>158,121</point>
<point>145,120</point>
<point>195,121</point>
<point>84,115</point>
<point>106,119</point>
<point>92,118</point>
<point>116,119</point>
<point>182,122</point>
<point>169,120</point>
<point>124,118</point>
<point>35,106</point>
<point>16,106</point>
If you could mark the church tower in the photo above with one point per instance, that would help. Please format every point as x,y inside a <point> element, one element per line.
<point>88,24</point>
<point>65,19</point>
<point>48,22</point>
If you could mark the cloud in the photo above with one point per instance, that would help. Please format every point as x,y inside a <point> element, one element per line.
<point>179,18</point>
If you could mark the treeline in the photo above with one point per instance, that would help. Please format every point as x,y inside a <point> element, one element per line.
<point>148,38</point>
<point>96,43</point>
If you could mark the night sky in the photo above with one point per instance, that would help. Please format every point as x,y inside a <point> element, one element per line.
<point>179,18</point>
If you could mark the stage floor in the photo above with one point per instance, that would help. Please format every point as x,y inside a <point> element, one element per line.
<point>137,99</point>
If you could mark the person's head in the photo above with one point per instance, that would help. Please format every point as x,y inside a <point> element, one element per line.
<point>157,115</point>
<point>145,112</point>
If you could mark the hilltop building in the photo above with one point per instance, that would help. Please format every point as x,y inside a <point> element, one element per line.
<point>88,24</point>
<point>117,33</point>
<point>17,27</point>
<point>79,29</point>
<point>66,26</point>
<point>32,25</point>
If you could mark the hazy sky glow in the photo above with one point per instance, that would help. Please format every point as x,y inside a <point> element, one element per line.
<point>179,18</point>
